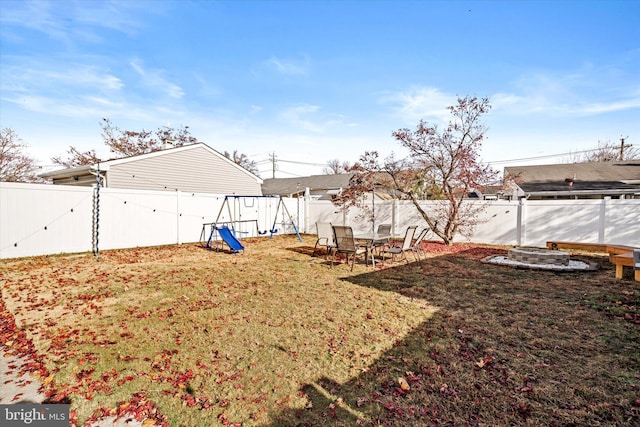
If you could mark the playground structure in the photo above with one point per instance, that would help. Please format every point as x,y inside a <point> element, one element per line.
<point>248,216</point>
<point>227,237</point>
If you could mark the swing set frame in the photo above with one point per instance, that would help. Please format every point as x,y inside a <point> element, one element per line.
<point>273,230</point>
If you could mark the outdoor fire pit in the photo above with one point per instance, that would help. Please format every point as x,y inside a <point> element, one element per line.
<point>538,256</point>
<point>539,259</point>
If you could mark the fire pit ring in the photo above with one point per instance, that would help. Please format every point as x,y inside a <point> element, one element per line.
<point>540,256</point>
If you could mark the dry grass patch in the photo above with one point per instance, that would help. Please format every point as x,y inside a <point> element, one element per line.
<point>275,337</point>
<point>206,335</point>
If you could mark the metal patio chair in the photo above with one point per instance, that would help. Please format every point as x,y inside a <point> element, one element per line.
<point>406,245</point>
<point>415,246</point>
<point>383,229</point>
<point>325,238</point>
<point>346,244</point>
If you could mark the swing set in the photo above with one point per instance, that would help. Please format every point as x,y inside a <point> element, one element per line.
<point>237,225</point>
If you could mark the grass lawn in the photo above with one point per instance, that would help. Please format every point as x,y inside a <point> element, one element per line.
<point>185,336</point>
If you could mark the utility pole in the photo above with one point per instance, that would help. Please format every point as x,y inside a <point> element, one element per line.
<point>622,147</point>
<point>273,164</point>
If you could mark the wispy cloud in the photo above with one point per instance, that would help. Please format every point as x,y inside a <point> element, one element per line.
<point>121,16</point>
<point>309,117</point>
<point>54,79</point>
<point>418,103</point>
<point>510,103</point>
<point>74,22</point>
<point>298,116</point>
<point>588,91</point>
<point>81,107</point>
<point>288,66</point>
<point>155,80</point>
<point>78,91</point>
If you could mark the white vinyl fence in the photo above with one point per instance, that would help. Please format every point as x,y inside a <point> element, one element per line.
<point>522,223</point>
<point>37,219</point>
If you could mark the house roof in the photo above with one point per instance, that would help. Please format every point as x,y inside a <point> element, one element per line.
<point>592,177</point>
<point>288,186</point>
<point>105,165</point>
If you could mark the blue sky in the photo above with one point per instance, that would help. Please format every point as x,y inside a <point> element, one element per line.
<point>320,80</point>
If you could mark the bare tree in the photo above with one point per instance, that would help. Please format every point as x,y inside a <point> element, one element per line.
<point>15,165</point>
<point>443,165</point>
<point>242,159</point>
<point>76,158</point>
<point>336,167</point>
<point>607,152</point>
<point>125,143</point>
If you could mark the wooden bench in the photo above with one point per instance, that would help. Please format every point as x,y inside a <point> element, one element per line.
<point>625,260</point>
<point>619,255</point>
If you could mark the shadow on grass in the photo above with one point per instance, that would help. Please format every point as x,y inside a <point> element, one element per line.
<point>506,347</point>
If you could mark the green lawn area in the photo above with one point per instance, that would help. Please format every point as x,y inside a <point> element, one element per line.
<point>186,336</point>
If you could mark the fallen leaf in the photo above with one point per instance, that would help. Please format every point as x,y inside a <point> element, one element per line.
<point>48,380</point>
<point>404,385</point>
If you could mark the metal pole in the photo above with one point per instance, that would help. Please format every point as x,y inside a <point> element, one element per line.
<point>96,216</point>
<point>373,204</point>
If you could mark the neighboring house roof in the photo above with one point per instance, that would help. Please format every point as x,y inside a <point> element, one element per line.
<point>317,184</point>
<point>195,167</point>
<point>574,179</point>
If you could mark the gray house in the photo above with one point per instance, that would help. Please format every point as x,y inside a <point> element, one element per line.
<point>320,187</point>
<point>593,180</point>
<point>196,168</point>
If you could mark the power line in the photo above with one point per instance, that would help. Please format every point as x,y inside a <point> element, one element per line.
<point>273,159</point>
<point>292,174</point>
<point>270,160</point>
<point>548,156</point>
<point>303,163</point>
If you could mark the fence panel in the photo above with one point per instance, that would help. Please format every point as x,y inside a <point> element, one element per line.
<point>196,209</point>
<point>37,219</point>
<point>497,224</point>
<point>132,218</point>
<point>622,222</point>
<point>559,220</point>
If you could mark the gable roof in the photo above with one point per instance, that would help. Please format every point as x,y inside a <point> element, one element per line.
<point>589,178</point>
<point>106,165</point>
<point>316,183</point>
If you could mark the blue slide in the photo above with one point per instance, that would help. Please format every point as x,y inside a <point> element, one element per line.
<point>231,240</point>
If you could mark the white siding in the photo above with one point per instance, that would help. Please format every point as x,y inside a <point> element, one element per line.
<point>196,170</point>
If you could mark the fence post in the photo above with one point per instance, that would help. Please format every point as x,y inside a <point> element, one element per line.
<point>394,218</point>
<point>521,227</point>
<point>307,198</point>
<point>602,219</point>
<point>178,194</point>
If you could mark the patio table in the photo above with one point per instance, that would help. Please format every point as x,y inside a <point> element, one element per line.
<point>370,239</point>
